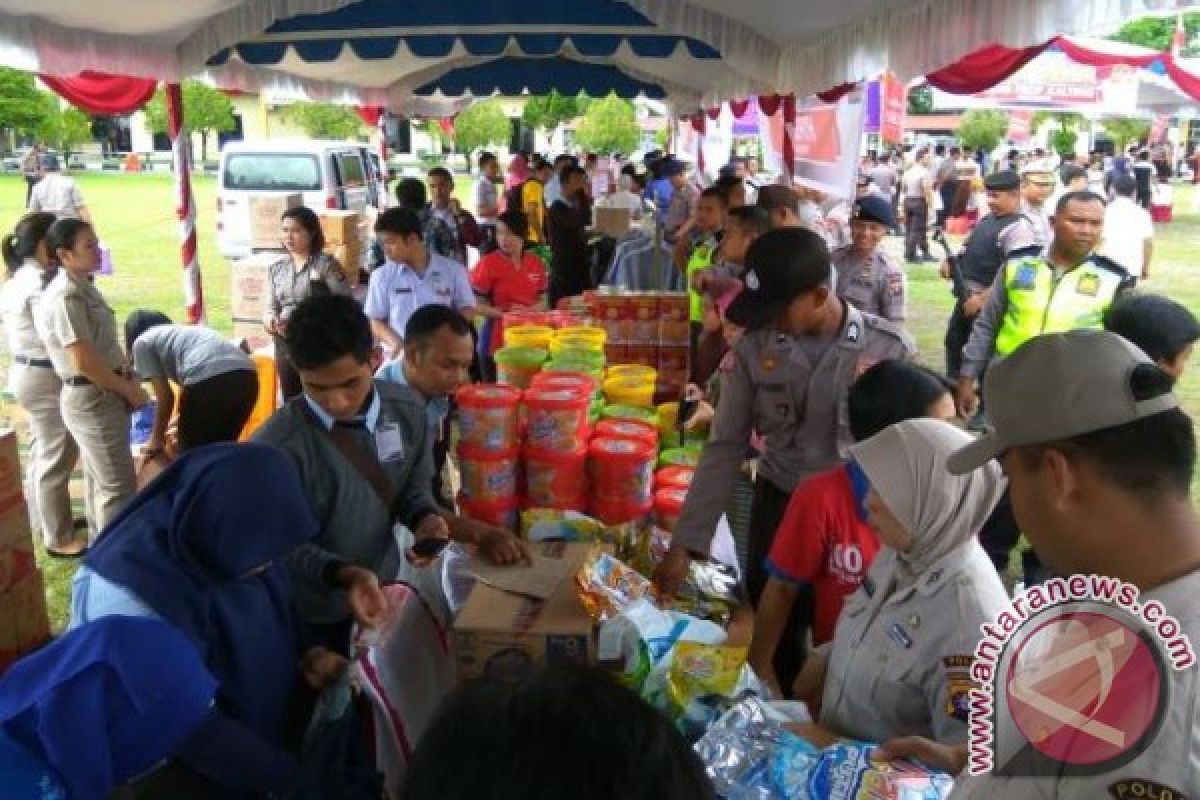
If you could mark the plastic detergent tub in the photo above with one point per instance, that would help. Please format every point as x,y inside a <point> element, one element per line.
<point>668,503</point>
<point>619,513</point>
<point>488,476</point>
<point>516,366</point>
<point>679,457</point>
<point>487,416</point>
<point>639,371</point>
<point>616,411</point>
<point>628,429</point>
<point>621,471</point>
<point>674,477</point>
<point>629,392</point>
<point>564,319</point>
<point>528,336</point>
<point>556,480</point>
<point>584,338</point>
<point>593,358</point>
<point>580,381</point>
<point>503,513</point>
<point>516,319</point>
<point>556,419</point>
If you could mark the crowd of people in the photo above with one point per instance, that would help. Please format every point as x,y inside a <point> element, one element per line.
<point>880,530</point>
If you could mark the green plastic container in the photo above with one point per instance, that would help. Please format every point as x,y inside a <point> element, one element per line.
<point>516,366</point>
<point>679,457</point>
<point>631,412</point>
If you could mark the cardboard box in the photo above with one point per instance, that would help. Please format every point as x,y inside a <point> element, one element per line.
<point>17,558</point>
<point>10,466</point>
<point>252,331</point>
<point>350,256</point>
<point>503,635</point>
<point>612,222</point>
<point>24,624</point>
<point>265,213</point>
<point>341,227</point>
<point>251,286</point>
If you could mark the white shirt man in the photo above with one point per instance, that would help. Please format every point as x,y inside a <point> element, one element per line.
<point>1128,231</point>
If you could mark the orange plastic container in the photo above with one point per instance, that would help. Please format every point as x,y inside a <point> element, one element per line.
<point>674,477</point>
<point>488,476</point>
<point>265,403</point>
<point>619,513</point>
<point>504,513</point>
<point>556,419</point>
<point>621,472</point>
<point>514,319</point>
<point>628,429</point>
<point>579,381</point>
<point>487,416</point>
<point>555,480</point>
<point>668,503</point>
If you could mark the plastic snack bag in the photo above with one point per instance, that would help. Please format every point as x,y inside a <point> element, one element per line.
<point>643,636</point>
<point>540,524</point>
<point>709,592</point>
<point>699,684</point>
<point>850,770</point>
<point>740,752</point>
<point>607,586</point>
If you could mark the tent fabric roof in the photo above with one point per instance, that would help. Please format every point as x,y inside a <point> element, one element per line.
<point>801,46</point>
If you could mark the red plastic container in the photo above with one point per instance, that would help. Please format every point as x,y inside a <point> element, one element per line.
<point>621,472</point>
<point>556,419</point>
<point>668,503</point>
<point>628,429</point>
<point>563,319</point>
<point>487,416</point>
<point>503,513</point>
<point>580,381</point>
<point>619,513</point>
<point>488,476</point>
<point>516,318</point>
<point>555,480</point>
<point>674,477</point>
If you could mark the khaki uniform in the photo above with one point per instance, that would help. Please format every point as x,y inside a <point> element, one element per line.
<point>799,407</point>
<point>58,194</point>
<point>1168,769</point>
<point>904,671</point>
<point>874,284</point>
<point>73,311</point>
<point>37,388</point>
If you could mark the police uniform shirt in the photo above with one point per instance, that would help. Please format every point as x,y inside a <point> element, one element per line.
<point>904,671</point>
<point>58,194</point>
<point>395,291</point>
<point>874,284</point>
<point>1039,218</point>
<point>72,310</point>
<point>799,407</point>
<point>1168,769</point>
<point>18,298</point>
<point>289,285</point>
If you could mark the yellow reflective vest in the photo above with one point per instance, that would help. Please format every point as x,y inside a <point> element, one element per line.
<point>702,257</point>
<point>1040,302</point>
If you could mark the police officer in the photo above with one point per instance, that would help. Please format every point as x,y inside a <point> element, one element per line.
<point>1037,184</point>
<point>36,386</point>
<point>867,277</point>
<point>1064,287</point>
<point>1003,231</point>
<point>1100,459</point>
<point>80,333</point>
<point>788,381</point>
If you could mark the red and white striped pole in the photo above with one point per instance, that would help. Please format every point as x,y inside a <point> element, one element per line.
<point>185,209</point>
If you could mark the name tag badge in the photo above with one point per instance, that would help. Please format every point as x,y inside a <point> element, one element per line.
<point>389,443</point>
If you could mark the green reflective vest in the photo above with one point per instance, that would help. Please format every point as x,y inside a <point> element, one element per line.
<point>701,258</point>
<point>1040,303</point>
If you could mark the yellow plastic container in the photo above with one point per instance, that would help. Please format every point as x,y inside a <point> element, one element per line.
<point>597,336</point>
<point>668,418</point>
<point>634,391</point>
<point>638,371</point>
<point>264,404</point>
<point>528,336</point>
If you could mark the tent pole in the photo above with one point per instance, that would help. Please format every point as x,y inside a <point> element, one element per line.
<point>185,208</point>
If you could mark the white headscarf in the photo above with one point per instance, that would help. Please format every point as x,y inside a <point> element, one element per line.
<point>906,466</point>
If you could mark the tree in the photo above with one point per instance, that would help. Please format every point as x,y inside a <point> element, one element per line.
<point>920,99</point>
<point>1126,130</point>
<point>482,124</point>
<point>64,128</point>
<point>205,110</point>
<point>549,111</point>
<point>982,130</point>
<point>1067,124</point>
<point>324,120</point>
<point>609,126</point>
<point>1156,33</point>
<point>22,105</point>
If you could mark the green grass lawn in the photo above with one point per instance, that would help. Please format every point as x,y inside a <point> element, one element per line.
<point>135,216</point>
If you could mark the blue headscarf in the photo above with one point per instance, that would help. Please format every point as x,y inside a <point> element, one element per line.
<point>201,546</point>
<point>99,707</point>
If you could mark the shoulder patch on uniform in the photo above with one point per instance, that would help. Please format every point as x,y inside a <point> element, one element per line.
<point>1088,285</point>
<point>1106,263</point>
<point>958,696</point>
<point>1142,789</point>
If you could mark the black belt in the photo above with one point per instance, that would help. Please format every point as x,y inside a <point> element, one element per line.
<point>44,363</point>
<point>79,380</point>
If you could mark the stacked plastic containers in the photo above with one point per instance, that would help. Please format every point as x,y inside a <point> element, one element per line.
<point>556,436</point>
<point>621,472</point>
<point>489,452</point>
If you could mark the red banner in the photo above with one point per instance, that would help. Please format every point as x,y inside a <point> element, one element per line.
<point>894,105</point>
<point>817,137</point>
<point>1020,124</point>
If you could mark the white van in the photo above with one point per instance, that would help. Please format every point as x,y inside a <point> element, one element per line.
<point>330,175</point>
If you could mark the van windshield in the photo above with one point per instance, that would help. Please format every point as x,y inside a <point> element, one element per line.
<point>284,172</point>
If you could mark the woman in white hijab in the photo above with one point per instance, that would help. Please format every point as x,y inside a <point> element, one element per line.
<point>900,658</point>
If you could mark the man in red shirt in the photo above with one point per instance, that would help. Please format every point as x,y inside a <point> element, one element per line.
<point>824,546</point>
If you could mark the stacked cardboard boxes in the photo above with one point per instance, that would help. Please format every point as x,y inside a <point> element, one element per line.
<point>251,295</point>
<point>265,213</point>
<point>24,624</point>
<point>345,240</point>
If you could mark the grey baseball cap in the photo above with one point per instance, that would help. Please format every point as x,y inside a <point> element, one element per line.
<point>1058,386</point>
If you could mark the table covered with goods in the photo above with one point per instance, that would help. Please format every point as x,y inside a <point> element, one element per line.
<point>578,448</point>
